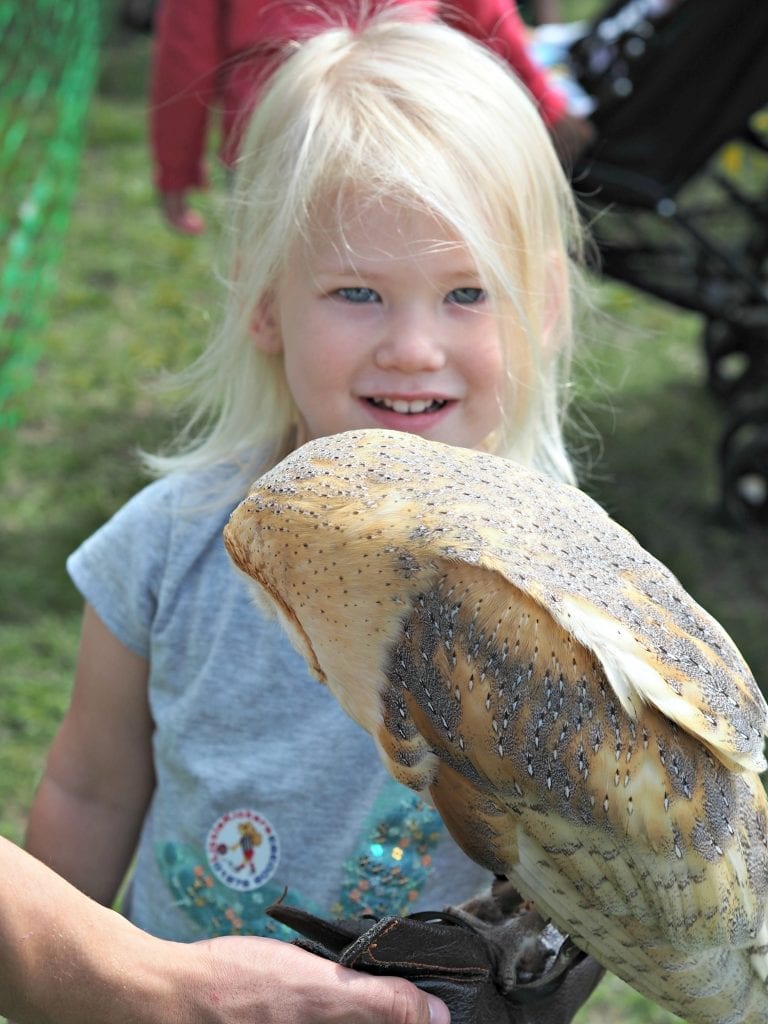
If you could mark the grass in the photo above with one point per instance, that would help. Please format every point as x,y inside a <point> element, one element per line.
<point>133,299</point>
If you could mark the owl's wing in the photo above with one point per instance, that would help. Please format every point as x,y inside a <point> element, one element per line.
<point>658,648</point>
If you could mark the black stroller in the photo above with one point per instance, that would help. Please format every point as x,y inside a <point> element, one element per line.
<point>674,81</point>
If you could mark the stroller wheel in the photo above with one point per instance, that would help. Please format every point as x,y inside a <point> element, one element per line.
<point>744,468</point>
<point>734,356</point>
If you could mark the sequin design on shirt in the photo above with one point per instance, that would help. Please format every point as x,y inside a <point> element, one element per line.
<point>395,855</point>
<point>385,874</point>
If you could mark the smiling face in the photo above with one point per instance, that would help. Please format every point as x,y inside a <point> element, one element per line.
<point>386,324</point>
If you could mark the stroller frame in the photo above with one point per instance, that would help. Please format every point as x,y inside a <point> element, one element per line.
<point>678,88</point>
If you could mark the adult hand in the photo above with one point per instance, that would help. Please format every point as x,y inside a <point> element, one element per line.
<point>247,979</point>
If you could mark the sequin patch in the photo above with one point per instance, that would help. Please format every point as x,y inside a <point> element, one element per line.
<point>393,865</point>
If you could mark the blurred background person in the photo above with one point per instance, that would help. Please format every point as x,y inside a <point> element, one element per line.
<point>210,58</point>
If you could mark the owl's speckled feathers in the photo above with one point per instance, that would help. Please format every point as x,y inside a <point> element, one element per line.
<point>580,723</point>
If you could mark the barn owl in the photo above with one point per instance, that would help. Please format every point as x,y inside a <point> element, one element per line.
<point>582,726</point>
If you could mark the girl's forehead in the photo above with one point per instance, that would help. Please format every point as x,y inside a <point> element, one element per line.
<point>358,227</point>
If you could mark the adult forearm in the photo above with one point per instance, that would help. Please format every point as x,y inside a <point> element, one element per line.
<point>184,81</point>
<point>65,958</point>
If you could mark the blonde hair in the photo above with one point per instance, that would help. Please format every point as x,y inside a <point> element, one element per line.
<point>417,112</point>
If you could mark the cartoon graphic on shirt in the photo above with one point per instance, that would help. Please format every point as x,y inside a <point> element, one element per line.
<point>249,840</point>
<point>227,891</point>
<point>243,850</point>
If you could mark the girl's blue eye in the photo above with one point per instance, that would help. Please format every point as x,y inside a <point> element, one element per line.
<point>358,294</point>
<point>466,296</point>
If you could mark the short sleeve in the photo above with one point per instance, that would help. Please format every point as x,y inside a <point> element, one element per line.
<point>118,569</point>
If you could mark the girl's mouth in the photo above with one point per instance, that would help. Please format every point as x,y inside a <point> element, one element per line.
<point>412,407</point>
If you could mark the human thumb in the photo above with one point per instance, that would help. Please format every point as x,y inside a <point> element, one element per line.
<point>438,1011</point>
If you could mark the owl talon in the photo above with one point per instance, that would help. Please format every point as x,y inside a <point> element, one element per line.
<point>568,957</point>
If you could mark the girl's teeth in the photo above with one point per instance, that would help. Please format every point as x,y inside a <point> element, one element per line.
<point>401,406</point>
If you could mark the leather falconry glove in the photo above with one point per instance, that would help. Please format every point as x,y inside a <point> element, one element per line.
<point>492,960</point>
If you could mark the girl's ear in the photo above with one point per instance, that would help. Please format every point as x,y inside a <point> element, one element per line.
<point>264,328</point>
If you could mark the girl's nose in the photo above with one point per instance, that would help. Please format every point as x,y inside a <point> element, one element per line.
<point>412,343</point>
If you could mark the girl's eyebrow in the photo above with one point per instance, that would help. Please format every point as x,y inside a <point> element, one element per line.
<point>340,270</point>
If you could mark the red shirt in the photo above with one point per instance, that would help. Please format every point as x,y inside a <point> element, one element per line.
<point>211,54</point>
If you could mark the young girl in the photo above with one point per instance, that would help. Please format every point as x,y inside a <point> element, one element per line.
<point>402,235</point>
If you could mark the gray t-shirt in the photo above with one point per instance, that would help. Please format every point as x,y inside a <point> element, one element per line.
<point>263,783</point>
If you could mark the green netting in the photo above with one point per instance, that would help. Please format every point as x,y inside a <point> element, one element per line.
<point>48,59</point>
